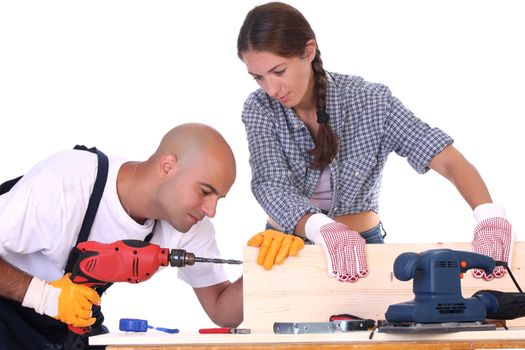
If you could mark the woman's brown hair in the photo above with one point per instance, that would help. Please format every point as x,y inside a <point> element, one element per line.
<point>281,29</point>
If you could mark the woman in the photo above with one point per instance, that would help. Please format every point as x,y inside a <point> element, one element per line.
<point>319,141</point>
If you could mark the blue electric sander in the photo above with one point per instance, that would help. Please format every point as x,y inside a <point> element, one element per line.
<point>438,305</point>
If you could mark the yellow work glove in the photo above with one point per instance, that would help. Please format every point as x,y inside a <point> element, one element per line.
<point>63,300</point>
<point>275,247</point>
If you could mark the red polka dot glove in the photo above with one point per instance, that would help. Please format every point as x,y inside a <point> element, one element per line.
<point>492,237</point>
<point>344,248</point>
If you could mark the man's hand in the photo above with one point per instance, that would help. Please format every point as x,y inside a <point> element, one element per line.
<point>275,247</point>
<point>492,237</point>
<point>345,248</point>
<point>63,300</point>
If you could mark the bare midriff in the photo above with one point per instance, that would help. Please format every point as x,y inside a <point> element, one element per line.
<point>359,222</point>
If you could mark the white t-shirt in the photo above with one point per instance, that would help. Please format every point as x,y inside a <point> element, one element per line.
<point>41,216</point>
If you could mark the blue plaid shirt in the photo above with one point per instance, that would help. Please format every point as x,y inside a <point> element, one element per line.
<point>370,123</point>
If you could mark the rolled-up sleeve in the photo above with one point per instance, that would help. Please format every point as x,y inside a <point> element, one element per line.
<point>412,138</point>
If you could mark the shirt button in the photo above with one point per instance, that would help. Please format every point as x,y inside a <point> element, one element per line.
<point>357,173</point>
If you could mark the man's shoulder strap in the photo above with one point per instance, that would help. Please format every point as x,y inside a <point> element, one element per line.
<point>96,195</point>
<point>94,201</point>
<point>6,186</point>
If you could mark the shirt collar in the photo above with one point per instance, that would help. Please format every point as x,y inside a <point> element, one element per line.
<point>333,107</point>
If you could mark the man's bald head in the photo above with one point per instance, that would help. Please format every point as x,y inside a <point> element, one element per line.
<point>190,142</point>
<point>192,168</point>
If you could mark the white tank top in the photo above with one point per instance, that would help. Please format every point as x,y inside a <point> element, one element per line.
<point>322,196</point>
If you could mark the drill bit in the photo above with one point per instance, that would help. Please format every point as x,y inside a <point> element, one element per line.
<point>217,261</point>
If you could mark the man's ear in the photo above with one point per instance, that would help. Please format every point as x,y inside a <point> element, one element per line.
<point>310,50</point>
<point>168,163</point>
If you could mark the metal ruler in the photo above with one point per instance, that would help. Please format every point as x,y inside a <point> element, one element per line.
<point>303,327</point>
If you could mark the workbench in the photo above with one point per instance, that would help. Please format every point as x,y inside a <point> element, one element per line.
<point>512,338</point>
<point>300,291</point>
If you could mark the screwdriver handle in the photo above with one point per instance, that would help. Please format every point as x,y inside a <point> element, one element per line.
<point>214,330</point>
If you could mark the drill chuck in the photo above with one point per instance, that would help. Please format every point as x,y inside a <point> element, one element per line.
<point>181,258</point>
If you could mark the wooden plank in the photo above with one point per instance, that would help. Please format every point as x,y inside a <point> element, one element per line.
<point>301,291</point>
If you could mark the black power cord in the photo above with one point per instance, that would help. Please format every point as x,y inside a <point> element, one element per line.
<point>506,266</point>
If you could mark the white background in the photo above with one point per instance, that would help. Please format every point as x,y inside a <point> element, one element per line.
<point>119,74</point>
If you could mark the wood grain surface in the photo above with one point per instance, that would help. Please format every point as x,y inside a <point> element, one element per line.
<point>300,290</point>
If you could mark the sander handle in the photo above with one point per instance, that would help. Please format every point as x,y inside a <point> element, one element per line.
<point>406,264</point>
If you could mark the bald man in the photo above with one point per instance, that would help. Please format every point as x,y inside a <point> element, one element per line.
<point>172,194</point>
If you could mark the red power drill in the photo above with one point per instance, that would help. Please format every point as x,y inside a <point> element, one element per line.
<point>130,261</point>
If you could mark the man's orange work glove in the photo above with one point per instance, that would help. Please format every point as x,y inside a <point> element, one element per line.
<point>63,300</point>
<point>275,247</point>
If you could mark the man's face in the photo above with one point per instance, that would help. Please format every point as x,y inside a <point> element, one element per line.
<point>286,79</point>
<point>191,191</point>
